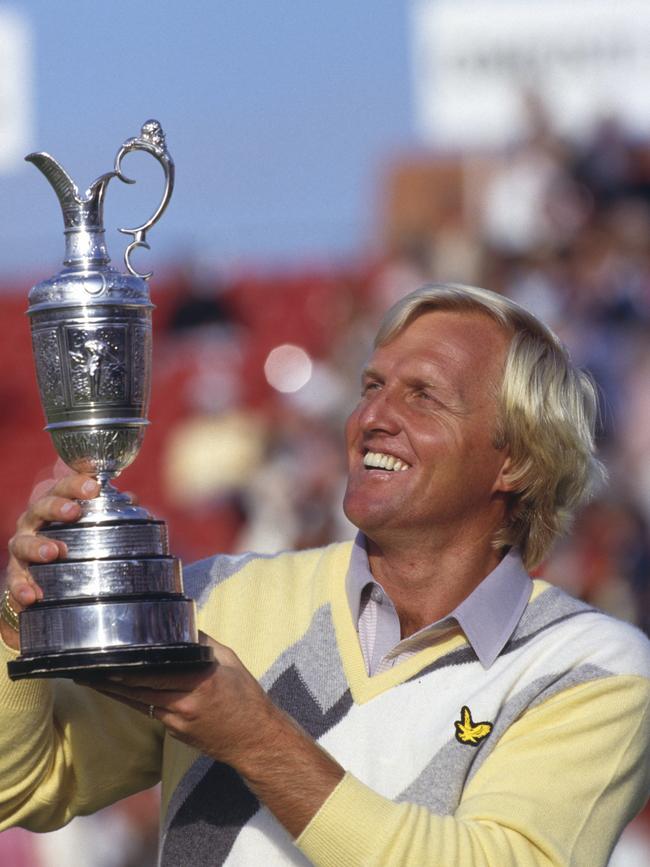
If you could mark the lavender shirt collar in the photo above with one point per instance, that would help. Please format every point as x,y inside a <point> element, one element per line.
<point>488,616</point>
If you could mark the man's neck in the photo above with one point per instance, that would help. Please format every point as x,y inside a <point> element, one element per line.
<point>426,584</point>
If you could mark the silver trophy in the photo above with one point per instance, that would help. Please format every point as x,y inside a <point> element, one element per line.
<point>117,600</point>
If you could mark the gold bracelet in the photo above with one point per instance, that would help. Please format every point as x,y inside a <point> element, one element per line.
<point>9,614</point>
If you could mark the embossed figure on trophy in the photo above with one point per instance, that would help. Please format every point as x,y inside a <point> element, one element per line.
<point>95,362</point>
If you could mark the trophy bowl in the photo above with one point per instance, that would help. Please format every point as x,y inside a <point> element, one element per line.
<point>116,601</point>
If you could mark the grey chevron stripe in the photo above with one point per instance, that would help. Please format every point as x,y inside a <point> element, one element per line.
<point>207,823</point>
<point>190,781</point>
<point>552,605</point>
<point>440,785</point>
<point>317,661</point>
<point>212,804</point>
<point>531,696</point>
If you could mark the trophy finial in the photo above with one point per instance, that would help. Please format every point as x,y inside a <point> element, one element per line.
<point>152,132</point>
<point>151,140</point>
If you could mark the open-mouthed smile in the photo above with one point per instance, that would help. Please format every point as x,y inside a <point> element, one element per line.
<point>383,461</point>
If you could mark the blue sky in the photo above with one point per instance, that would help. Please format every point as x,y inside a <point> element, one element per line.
<point>281,117</point>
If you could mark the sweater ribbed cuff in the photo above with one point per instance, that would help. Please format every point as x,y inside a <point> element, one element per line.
<point>336,835</point>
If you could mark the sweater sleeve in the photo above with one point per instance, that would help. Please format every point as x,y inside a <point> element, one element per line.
<point>66,750</point>
<point>558,789</point>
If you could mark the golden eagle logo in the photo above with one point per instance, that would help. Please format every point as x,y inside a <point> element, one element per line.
<point>469,732</point>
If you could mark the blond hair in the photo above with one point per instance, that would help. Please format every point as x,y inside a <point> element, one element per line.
<point>547,415</point>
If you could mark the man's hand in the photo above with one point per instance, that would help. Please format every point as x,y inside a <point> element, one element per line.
<point>58,502</point>
<point>223,712</point>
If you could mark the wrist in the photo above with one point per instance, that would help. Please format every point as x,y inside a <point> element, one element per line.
<point>7,611</point>
<point>289,772</point>
<point>9,622</point>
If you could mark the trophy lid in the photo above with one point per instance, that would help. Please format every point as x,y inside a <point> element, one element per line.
<point>74,287</point>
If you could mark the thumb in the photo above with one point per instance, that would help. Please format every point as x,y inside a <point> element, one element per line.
<point>223,654</point>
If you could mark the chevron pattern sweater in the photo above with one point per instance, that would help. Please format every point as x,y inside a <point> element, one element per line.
<point>539,760</point>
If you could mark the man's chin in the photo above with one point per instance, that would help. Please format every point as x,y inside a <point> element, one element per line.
<point>370,520</point>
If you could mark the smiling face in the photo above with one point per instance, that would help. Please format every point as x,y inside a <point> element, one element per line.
<point>429,410</point>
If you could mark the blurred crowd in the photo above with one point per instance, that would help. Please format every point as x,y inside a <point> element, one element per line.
<point>239,458</point>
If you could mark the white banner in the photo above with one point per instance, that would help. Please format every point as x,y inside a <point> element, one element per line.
<point>473,60</point>
<point>15,88</point>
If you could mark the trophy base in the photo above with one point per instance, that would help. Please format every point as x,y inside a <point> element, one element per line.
<point>115,603</point>
<point>96,664</point>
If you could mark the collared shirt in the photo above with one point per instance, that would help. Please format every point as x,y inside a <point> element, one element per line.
<point>487,617</point>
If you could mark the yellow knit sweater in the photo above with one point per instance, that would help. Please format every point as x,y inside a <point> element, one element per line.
<point>539,760</point>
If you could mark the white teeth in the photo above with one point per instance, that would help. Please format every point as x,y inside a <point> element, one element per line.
<point>382,461</point>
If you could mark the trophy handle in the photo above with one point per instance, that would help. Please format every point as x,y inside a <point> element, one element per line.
<point>151,140</point>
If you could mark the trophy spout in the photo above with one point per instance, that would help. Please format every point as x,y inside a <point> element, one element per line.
<point>62,183</point>
<point>83,216</point>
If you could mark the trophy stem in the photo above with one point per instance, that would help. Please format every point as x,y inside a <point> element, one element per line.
<point>111,505</point>
<point>106,486</point>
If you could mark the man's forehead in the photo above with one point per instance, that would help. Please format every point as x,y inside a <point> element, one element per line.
<point>452,332</point>
<point>449,346</point>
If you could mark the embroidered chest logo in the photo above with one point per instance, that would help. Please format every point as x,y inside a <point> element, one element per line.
<point>469,732</point>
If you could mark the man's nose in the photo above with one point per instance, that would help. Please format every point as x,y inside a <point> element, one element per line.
<point>378,412</point>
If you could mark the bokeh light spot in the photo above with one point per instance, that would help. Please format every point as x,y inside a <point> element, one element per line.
<point>287,368</point>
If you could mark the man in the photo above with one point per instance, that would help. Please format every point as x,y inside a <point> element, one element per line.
<point>409,698</point>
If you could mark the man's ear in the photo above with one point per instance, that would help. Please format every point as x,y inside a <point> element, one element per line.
<point>503,483</point>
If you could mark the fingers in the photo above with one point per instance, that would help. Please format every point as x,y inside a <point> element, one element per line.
<point>129,702</point>
<point>23,589</point>
<point>223,655</point>
<point>177,711</point>
<point>78,486</point>
<point>153,711</point>
<point>49,508</point>
<point>24,550</point>
<point>46,479</point>
<point>66,482</point>
<point>137,695</point>
<point>60,504</point>
<point>182,681</point>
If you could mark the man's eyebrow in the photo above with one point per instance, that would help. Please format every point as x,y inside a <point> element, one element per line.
<point>440,387</point>
<point>435,381</point>
<point>371,373</point>
<point>451,393</point>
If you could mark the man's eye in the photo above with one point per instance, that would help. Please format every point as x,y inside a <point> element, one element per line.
<point>427,396</point>
<point>369,386</point>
